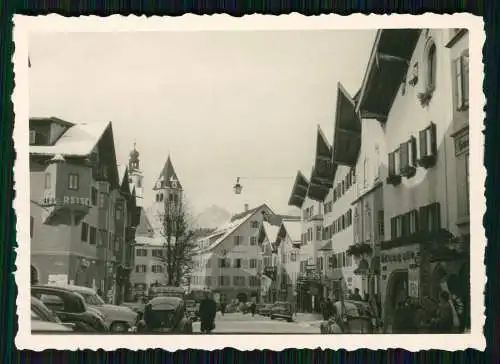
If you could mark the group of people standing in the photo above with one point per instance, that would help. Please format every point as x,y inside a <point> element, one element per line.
<point>411,316</point>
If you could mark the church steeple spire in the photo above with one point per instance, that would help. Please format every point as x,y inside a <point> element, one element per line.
<point>133,162</point>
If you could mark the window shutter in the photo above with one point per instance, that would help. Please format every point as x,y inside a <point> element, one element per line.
<point>423,219</point>
<point>436,216</point>
<point>433,140</point>
<point>393,228</point>
<point>391,164</point>
<point>403,157</point>
<point>423,143</point>
<point>465,78</point>
<point>457,73</point>
<point>413,147</point>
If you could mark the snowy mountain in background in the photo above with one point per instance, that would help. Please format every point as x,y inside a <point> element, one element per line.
<point>212,217</point>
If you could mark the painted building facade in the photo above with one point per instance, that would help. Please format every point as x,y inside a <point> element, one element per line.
<point>229,261</point>
<point>408,88</point>
<point>78,213</point>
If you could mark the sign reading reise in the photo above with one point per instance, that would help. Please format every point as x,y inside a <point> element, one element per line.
<point>72,200</point>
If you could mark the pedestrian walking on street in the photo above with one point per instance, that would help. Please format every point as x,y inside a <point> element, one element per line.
<point>208,310</point>
<point>253,307</point>
<point>324,309</point>
<point>223,305</point>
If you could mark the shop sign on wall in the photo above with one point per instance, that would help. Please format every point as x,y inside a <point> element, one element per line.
<point>73,200</point>
<point>413,282</point>
<point>398,257</point>
<point>58,279</point>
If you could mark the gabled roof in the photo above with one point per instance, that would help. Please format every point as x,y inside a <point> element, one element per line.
<point>293,229</point>
<point>123,180</point>
<point>223,232</point>
<point>78,141</point>
<point>167,175</point>
<point>145,228</point>
<point>269,231</point>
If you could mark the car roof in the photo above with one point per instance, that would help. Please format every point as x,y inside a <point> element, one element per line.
<point>166,300</point>
<point>66,292</point>
<point>71,287</point>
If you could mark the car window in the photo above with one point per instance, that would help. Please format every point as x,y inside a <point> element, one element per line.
<point>53,302</point>
<point>93,299</point>
<point>43,312</point>
<point>34,316</point>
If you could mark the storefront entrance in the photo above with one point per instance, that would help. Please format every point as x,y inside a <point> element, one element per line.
<point>396,292</point>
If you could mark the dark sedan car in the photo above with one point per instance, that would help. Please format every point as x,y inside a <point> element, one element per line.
<point>69,307</point>
<point>265,309</point>
<point>282,310</point>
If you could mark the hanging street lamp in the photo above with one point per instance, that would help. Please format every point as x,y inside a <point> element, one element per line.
<point>237,187</point>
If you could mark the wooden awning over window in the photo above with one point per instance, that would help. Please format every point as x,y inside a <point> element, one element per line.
<point>299,190</point>
<point>347,131</point>
<point>387,68</point>
<point>324,167</point>
<point>318,189</point>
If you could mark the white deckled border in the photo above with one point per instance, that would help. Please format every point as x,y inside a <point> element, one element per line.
<point>23,25</point>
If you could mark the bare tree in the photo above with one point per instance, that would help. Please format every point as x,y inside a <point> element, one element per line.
<point>179,243</point>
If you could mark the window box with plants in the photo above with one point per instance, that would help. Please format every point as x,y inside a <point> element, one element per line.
<point>360,250</point>
<point>428,147</point>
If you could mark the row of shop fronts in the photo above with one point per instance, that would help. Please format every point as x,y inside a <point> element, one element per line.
<point>385,210</point>
<point>83,209</point>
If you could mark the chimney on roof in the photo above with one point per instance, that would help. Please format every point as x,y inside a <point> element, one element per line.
<point>246,207</point>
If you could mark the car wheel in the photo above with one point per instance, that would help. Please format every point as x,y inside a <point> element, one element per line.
<point>271,317</point>
<point>289,320</point>
<point>118,327</point>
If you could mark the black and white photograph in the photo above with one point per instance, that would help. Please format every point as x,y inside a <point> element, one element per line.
<point>210,183</point>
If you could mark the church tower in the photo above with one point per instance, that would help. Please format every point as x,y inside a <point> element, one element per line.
<point>167,190</point>
<point>135,174</point>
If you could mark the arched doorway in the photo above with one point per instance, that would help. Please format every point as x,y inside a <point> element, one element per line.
<point>397,290</point>
<point>34,279</point>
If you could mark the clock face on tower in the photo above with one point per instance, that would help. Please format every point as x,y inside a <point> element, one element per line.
<point>173,183</point>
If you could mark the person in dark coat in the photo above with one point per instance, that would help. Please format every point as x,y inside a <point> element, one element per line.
<point>356,296</point>
<point>325,309</point>
<point>443,322</point>
<point>208,310</point>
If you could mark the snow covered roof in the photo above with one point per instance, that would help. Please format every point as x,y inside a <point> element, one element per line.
<point>79,141</point>
<point>154,241</point>
<point>271,231</point>
<point>225,230</point>
<point>293,229</point>
<point>121,173</point>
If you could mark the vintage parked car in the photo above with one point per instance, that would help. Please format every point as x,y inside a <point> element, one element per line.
<point>166,291</point>
<point>69,307</point>
<point>46,327</point>
<point>164,315</point>
<point>282,310</point>
<point>44,320</point>
<point>350,317</point>
<point>265,309</point>
<point>116,318</point>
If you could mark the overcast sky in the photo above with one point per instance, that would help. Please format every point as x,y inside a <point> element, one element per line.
<point>223,104</point>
